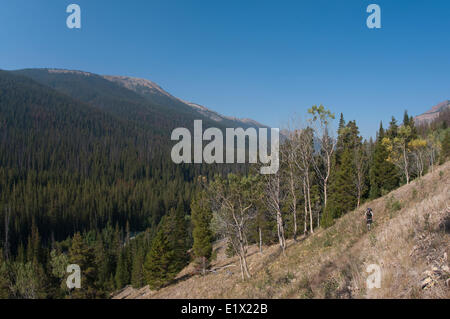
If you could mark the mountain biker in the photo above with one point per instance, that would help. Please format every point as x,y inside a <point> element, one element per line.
<point>369,217</point>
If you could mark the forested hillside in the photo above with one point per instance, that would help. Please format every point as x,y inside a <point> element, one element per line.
<point>68,166</point>
<point>86,178</point>
<point>409,241</point>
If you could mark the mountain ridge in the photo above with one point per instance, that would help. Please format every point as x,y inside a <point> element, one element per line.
<point>143,88</point>
<point>433,113</point>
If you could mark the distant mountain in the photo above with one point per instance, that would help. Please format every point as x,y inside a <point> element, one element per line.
<point>151,90</point>
<point>79,152</point>
<point>433,113</point>
<point>158,113</point>
<point>134,98</point>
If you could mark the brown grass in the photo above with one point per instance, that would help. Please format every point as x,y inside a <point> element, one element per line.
<point>409,239</point>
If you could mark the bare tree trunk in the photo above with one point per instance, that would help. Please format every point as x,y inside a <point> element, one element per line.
<point>260,241</point>
<point>242,266</point>
<point>6,244</point>
<point>204,265</point>
<point>306,206</point>
<point>280,229</point>
<point>294,203</point>
<point>325,180</point>
<point>359,198</point>
<point>308,189</point>
<point>318,218</point>
<point>244,262</point>
<point>243,254</point>
<point>405,158</point>
<point>273,193</point>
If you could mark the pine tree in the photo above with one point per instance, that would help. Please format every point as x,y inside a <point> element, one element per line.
<point>406,119</point>
<point>168,252</point>
<point>201,219</point>
<point>340,141</point>
<point>446,146</point>
<point>34,252</point>
<point>102,263</point>
<point>122,271</point>
<point>4,283</point>
<point>393,128</point>
<point>409,121</point>
<point>343,197</point>
<point>383,174</point>
<point>137,272</point>
<point>341,122</point>
<point>82,255</point>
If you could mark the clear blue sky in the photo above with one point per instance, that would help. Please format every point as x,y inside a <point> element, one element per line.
<point>264,60</point>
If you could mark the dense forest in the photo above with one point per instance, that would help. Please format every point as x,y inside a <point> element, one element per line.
<point>86,178</point>
<point>67,167</point>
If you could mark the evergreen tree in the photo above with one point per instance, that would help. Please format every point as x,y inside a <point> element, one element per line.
<point>82,255</point>
<point>201,219</point>
<point>343,196</point>
<point>383,174</point>
<point>446,146</point>
<point>137,272</point>
<point>122,271</point>
<point>406,118</point>
<point>409,121</point>
<point>103,265</point>
<point>4,282</point>
<point>168,253</point>
<point>341,122</point>
<point>393,128</point>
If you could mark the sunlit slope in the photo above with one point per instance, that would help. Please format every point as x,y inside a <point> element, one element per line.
<point>410,242</point>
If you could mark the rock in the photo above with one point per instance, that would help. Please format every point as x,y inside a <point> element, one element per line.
<point>427,283</point>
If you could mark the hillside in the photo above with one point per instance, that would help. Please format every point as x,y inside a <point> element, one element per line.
<point>410,242</point>
<point>433,113</point>
<point>140,100</point>
<point>67,165</point>
<point>80,154</point>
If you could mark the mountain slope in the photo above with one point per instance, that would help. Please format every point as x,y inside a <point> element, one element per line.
<point>140,100</point>
<point>433,113</point>
<point>159,118</point>
<point>38,121</point>
<point>410,241</point>
<point>68,165</point>
<point>154,93</point>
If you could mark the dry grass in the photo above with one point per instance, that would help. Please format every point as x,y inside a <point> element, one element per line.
<point>409,242</point>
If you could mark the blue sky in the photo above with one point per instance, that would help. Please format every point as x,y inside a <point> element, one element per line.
<point>265,60</point>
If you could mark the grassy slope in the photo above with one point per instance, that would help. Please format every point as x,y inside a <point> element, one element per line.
<point>410,242</point>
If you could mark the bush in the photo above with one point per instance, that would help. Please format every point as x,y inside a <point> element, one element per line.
<point>330,287</point>
<point>393,205</point>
